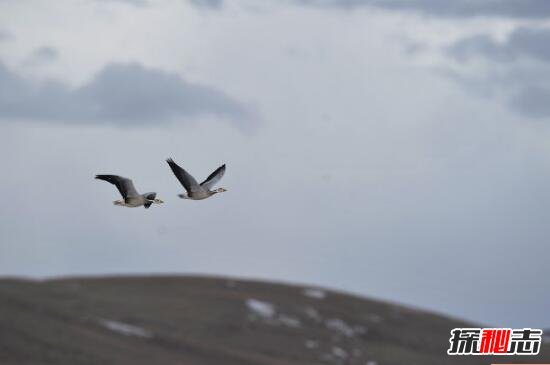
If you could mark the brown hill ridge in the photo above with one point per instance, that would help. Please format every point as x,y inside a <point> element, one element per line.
<point>207,321</point>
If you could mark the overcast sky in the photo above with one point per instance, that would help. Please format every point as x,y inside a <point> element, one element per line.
<point>400,150</point>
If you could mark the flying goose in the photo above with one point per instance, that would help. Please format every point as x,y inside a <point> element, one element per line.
<point>131,197</point>
<point>196,191</point>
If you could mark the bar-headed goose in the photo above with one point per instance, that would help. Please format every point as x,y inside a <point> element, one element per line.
<point>131,197</point>
<point>196,191</point>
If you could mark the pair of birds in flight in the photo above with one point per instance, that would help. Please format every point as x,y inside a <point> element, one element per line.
<point>195,191</point>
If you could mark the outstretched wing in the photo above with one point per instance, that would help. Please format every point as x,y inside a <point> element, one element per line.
<point>188,181</point>
<point>124,185</point>
<point>214,177</point>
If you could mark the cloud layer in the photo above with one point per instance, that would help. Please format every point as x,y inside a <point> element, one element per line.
<point>41,55</point>
<point>522,59</point>
<point>522,42</point>
<point>214,4</point>
<point>129,2</point>
<point>122,94</point>
<point>526,95</point>
<point>536,9</point>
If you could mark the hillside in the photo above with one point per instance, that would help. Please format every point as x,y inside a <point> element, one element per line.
<point>197,320</point>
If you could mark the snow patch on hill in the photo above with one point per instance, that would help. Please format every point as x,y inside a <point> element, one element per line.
<point>343,328</point>
<point>315,293</point>
<point>262,309</point>
<point>266,312</point>
<point>125,329</point>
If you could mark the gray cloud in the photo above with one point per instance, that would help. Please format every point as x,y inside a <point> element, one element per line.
<point>129,2</point>
<point>522,80</point>
<point>529,97</point>
<point>479,45</point>
<point>526,42</point>
<point>532,101</point>
<point>44,54</point>
<point>536,9</point>
<point>213,4</point>
<point>126,94</point>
